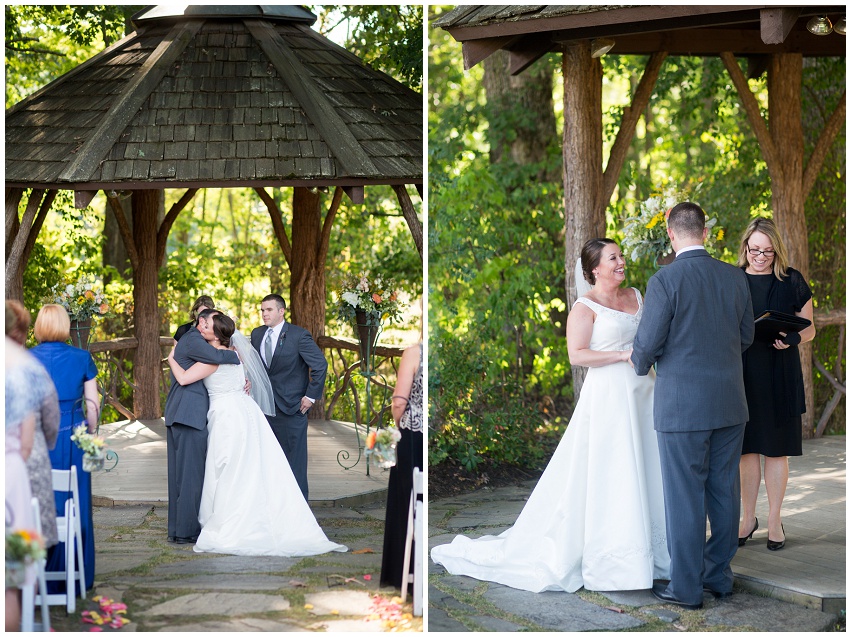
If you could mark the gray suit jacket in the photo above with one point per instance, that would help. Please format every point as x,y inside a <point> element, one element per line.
<point>698,319</point>
<point>298,367</point>
<point>188,404</point>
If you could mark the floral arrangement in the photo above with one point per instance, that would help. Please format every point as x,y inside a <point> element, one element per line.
<point>645,233</point>
<point>82,300</point>
<point>383,437</point>
<point>378,298</point>
<point>23,545</point>
<point>91,444</point>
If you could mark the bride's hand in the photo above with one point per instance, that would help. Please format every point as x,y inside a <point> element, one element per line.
<point>627,356</point>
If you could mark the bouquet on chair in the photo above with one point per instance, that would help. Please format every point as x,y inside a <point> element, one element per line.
<point>93,447</point>
<point>23,547</point>
<point>381,447</point>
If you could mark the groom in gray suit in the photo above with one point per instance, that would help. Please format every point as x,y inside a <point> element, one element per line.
<point>186,427</point>
<point>296,368</point>
<point>698,319</point>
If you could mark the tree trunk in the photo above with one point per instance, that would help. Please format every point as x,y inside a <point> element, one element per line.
<point>528,98</point>
<point>147,209</point>
<point>787,192</point>
<point>307,283</point>
<point>584,217</point>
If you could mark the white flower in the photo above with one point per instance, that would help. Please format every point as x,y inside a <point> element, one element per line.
<point>351,298</point>
<point>363,285</point>
<point>69,289</point>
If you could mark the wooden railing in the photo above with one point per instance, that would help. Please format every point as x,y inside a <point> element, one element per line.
<point>111,358</point>
<point>823,319</point>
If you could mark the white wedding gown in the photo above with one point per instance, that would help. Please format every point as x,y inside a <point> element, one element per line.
<point>596,517</point>
<point>250,503</point>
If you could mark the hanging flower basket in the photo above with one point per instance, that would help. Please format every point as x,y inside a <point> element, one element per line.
<point>383,456</point>
<point>16,573</point>
<point>367,327</point>
<point>81,332</point>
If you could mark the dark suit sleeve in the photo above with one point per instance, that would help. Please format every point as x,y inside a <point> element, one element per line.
<point>200,351</point>
<point>313,358</point>
<point>747,327</point>
<point>649,343</point>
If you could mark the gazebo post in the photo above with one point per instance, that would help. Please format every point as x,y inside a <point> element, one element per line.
<point>582,147</point>
<point>146,366</point>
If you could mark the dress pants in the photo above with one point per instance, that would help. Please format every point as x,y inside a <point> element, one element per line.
<point>700,478</point>
<point>291,432</point>
<point>187,455</point>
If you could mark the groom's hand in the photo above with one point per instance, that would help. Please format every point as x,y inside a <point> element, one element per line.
<point>306,404</point>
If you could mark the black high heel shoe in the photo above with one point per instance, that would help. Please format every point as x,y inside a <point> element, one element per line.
<point>776,546</point>
<point>742,540</point>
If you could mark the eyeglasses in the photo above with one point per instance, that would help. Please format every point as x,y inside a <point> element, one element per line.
<point>766,253</point>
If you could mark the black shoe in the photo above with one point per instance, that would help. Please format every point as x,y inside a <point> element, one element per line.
<point>718,595</point>
<point>742,540</point>
<point>776,546</point>
<point>182,540</point>
<point>660,593</point>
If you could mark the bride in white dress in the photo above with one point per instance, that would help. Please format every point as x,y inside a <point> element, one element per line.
<point>596,518</point>
<point>250,503</point>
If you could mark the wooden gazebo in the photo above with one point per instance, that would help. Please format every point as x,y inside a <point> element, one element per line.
<point>211,96</point>
<point>772,38</point>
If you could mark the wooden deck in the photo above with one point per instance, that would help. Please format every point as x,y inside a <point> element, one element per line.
<point>810,570</point>
<point>141,474</point>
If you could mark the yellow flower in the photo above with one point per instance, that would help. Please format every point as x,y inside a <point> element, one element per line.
<point>657,218</point>
<point>721,234</point>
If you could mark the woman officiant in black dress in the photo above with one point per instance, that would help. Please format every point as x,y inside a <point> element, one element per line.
<point>202,303</point>
<point>774,384</point>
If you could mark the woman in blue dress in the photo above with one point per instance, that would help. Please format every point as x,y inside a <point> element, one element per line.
<point>73,372</point>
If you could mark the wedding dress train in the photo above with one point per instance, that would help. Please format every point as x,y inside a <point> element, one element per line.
<point>596,518</point>
<point>250,503</point>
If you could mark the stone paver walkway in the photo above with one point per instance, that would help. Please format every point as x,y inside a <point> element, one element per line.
<point>168,587</point>
<point>463,604</point>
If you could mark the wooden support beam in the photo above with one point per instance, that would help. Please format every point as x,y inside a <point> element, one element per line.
<point>82,198</point>
<point>776,23</point>
<point>475,51</point>
<point>277,224</point>
<point>524,54</point>
<point>102,138</point>
<point>757,65</point>
<point>355,193</point>
<point>410,214</point>
<point>124,229</point>
<point>168,222</point>
<point>825,140</point>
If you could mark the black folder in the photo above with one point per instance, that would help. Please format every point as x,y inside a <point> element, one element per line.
<point>770,323</point>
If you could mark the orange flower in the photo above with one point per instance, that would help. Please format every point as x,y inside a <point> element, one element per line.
<point>104,308</point>
<point>370,440</point>
<point>89,295</point>
<point>393,296</point>
<point>376,298</point>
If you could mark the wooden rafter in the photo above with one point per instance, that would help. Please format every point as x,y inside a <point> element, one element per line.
<point>88,158</point>
<point>776,23</point>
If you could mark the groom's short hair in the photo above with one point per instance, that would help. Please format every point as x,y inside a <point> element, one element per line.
<point>277,298</point>
<point>687,220</point>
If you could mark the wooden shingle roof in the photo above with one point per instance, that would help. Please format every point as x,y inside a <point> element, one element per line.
<point>217,98</point>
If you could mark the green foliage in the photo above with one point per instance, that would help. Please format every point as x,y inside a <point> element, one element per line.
<point>475,414</point>
<point>387,37</point>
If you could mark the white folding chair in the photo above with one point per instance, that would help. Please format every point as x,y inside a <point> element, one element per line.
<point>28,593</point>
<point>71,535</point>
<point>414,537</point>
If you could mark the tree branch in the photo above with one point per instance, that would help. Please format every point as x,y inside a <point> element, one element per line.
<point>124,229</point>
<point>328,224</point>
<point>39,222</point>
<point>168,222</point>
<point>631,115</point>
<point>825,140</point>
<point>277,224</point>
<point>751,107</point>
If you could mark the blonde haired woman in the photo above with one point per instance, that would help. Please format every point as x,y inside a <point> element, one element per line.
<point>73,372</point>
<point>774,384</point>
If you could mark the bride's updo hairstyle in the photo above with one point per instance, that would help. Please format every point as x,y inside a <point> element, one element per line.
<point>590,257</point>
<point>223,328</point>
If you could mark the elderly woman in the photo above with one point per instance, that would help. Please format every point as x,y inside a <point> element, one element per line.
<point>46,428</point>
<point>73,373</point>
<point>774,384</point>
